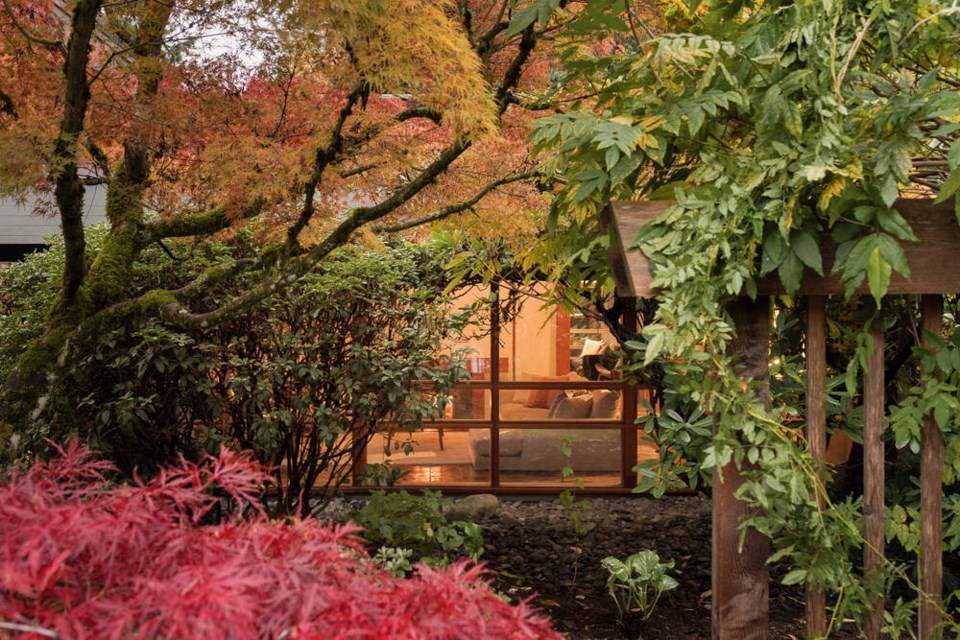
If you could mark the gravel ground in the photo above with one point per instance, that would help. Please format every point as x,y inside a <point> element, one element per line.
<point>536,549</point>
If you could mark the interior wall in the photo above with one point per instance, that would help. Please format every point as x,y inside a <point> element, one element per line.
<point>530,341</point>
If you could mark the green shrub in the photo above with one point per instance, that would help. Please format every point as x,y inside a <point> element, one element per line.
<point>416,523</point>
<point>302,381</point>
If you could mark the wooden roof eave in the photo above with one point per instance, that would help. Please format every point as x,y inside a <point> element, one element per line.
<point>934,259</point>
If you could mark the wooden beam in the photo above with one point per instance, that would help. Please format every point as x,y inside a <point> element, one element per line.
<point>934,259</point>
<point>740,577</point>
<point>631,269</point>
<point>816,352</point>
<point>873,476</point>
<point>931,496</point>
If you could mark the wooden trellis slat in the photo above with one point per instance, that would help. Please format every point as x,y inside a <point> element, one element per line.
<point>873,474</point>
<point>931,505</point>
<point>816,356</point>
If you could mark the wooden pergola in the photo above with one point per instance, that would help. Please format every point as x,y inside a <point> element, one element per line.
<point>740,577</point>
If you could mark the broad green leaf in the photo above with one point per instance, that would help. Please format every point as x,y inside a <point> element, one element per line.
<point>792,119</point>
<point>667,191</point>
<point>611,157</point>
<point>654,347</point>
<point>805,245</point>
<point>536,11</point>
<point>878,275</point>
<point>891,220</point>
<point>773,247</point>
<point>949,187</point>
<point>892,252</point>
<point>791,272</point>
<point>889,191</point>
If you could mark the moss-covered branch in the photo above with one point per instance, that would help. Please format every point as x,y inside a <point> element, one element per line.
<point>68,189</point>
<point>200,224</point>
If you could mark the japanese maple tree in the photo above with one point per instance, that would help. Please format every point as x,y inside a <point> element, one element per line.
<point>83,558</point>
<point>319,121</point>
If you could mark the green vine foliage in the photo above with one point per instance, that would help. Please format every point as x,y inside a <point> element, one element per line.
<point>769,124</point>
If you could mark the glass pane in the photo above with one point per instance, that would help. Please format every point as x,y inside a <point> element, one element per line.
<point>468,403</point>
<point>433,456</point>
<point>544,405</point>
<point>538,457</point>
<point>529,344</point>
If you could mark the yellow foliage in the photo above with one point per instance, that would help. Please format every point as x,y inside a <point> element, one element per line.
<point>834,188</point>
<point>414,48</point>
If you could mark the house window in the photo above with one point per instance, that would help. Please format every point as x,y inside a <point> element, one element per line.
<point>544,410</point>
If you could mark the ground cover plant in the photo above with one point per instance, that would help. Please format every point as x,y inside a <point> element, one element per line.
<point>81,557</point>
<point>416,524</point>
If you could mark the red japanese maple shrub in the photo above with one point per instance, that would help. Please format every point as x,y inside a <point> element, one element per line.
<point>81,557</point>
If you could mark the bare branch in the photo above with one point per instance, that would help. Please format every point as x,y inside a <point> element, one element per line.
<point>512,75</point>
<point>356,171</point>
<point>56,44</point>
<point>99,157</point>
<point>850,55</point>
<point>458,207</point>
<point>29,628</point>
<point>942,12</point>
<point>324,156</point>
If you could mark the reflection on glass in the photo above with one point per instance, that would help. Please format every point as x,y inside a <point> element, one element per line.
<point>539,457</point>
<point>546,405</point>
<point>430,456</point>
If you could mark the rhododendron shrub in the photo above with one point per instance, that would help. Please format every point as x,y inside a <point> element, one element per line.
<point>81,557</point>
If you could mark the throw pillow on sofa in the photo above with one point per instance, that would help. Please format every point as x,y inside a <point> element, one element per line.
<point>575,408</point>
<point>544,398</point>
<point>606,405</point>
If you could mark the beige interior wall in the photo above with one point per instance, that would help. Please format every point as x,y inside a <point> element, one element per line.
<point>530,341</point>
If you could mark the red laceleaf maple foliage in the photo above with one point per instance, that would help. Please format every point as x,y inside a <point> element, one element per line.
<point>81,557</point>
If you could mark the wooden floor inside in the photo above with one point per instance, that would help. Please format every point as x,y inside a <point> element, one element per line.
<point>449,465</point>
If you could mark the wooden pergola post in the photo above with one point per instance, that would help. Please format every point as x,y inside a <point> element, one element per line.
<point>816,352</point>
<point>740,577</point>
<point>873,475</point>
<point>934,261</point>
<point>931,497</point>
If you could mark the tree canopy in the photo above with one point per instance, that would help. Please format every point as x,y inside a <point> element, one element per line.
<point>768,122</point>
<point>319,121</point>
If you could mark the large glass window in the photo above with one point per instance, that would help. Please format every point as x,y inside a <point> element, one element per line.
<point>544,409</point>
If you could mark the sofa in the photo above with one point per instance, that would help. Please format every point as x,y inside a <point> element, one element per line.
<point>542,449</point>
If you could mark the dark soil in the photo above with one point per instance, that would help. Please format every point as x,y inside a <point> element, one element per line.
<point>537,551</point>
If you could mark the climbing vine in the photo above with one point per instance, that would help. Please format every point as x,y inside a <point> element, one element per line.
<point>770,124</point>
